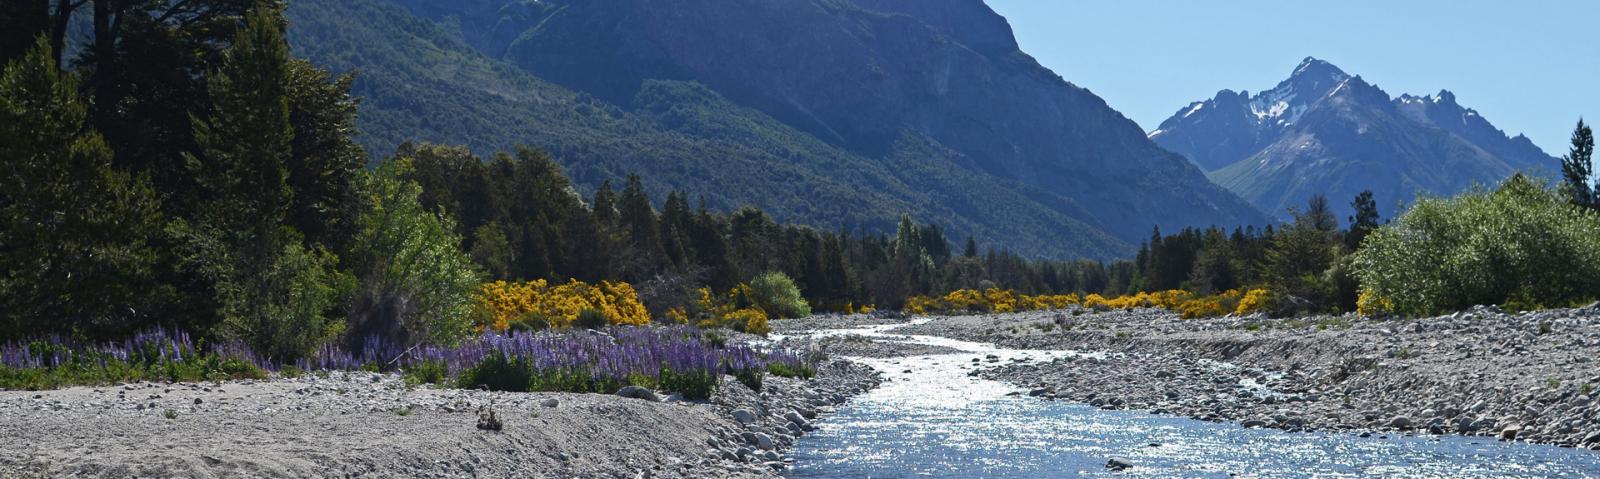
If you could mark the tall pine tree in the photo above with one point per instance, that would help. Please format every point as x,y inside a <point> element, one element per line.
<point>1577,168</point>
<point>75,232</point>
<point>275,293</point>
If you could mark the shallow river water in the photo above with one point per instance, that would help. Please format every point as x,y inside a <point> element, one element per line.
<point>933,420</point>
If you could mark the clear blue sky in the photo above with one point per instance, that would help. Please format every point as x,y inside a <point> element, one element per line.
<point>1529,67</point>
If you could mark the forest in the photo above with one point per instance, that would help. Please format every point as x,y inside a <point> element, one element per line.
<point>183,171</point>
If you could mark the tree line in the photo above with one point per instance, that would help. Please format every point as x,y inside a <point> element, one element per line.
<point>180,169</point>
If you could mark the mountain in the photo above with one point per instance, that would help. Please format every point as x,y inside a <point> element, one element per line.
<point>1325,131</point>
<point>829,112</point>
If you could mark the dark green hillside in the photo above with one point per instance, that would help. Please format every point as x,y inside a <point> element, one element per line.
<point>418,82</point>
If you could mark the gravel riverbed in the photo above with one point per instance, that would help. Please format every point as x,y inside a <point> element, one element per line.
<point>365,424</point>
<point>1525,377</point>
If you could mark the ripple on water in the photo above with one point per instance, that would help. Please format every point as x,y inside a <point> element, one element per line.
<point>936,421</point>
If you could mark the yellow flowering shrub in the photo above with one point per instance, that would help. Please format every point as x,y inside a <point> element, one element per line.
<point>850,308</point>
<point>1096,302</point>
<point>501,304</point>
<point>734,310</point>
<point>1000,300</point>
<point>1045,302</point>
<point>993,300</point>
<point>1253,301</point>
<point>750,320</point>
<point>1368,303</point>
<point>921,304</point>
<point>1202,307</point>
<point>996,300</point>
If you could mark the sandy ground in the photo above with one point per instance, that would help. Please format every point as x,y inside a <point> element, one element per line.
<point>372,425</point>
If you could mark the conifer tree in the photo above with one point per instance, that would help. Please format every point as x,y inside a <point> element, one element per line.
<point>75,232</point>
<point>1577,168</point>
<point>275,292</point>
<point>1363,222</point>
<point>674,229</point>
<point>605,205</point>
<point>638,222</point>
<point>325,161</point>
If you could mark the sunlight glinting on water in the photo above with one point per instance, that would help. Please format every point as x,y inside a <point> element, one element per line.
<point>930,419</point>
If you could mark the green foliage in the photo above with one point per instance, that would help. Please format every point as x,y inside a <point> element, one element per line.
<point>1301,254</point>
<point>776,294</point>
<point>1363,222</point>
<point>1521,241</point>
<point>289,310</point>
<point>76,233</point>
<point>591,319</point>
<point>788,371</point>
<point>498,373</point>
<point>277,294</point>
<point>325,164</point>
<point>423,81</point>
<point>98,370</point>
<point>427,372</point>
<point>1577,168</point>
<point>692,385</point>
<point>417,284</point>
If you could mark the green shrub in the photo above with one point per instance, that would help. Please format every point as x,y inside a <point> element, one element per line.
<point>1521,245</point>
<point>787,371</point>
<point>692,384</point>
<point>498,373</point>
<point>417,283</point>
<point>426,372</point>
<point>590,319</point>
<point>776,294</point>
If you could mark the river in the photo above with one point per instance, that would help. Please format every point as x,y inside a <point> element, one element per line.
<point>931,419</point>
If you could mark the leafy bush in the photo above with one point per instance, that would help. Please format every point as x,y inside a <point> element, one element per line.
<point>417,284</point>
<point>692,384</point>
<point>499,372</point>
<point>287,313</point>
<point>590,319</point>
<point>1520,242</point>
<point>776,294</point>
<point>425,372</point>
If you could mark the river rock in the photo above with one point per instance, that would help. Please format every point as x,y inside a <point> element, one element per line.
<point>744,416</point>
<point>764,442</point>
<point>551,402</point>
<point>1119,464</point>
<point>1400,422</point>
<point>637,392</point>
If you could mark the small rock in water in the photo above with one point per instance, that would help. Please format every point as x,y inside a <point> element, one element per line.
<point>1118,464</point>
<point>1254,423</point>
<point>1400,422</point>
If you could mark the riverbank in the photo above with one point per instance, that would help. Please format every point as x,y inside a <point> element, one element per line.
<point>367,424</point>
<point>1524,377</point>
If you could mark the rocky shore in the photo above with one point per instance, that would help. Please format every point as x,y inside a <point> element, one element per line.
<point>365,424</point>
<point>1524,377</point>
